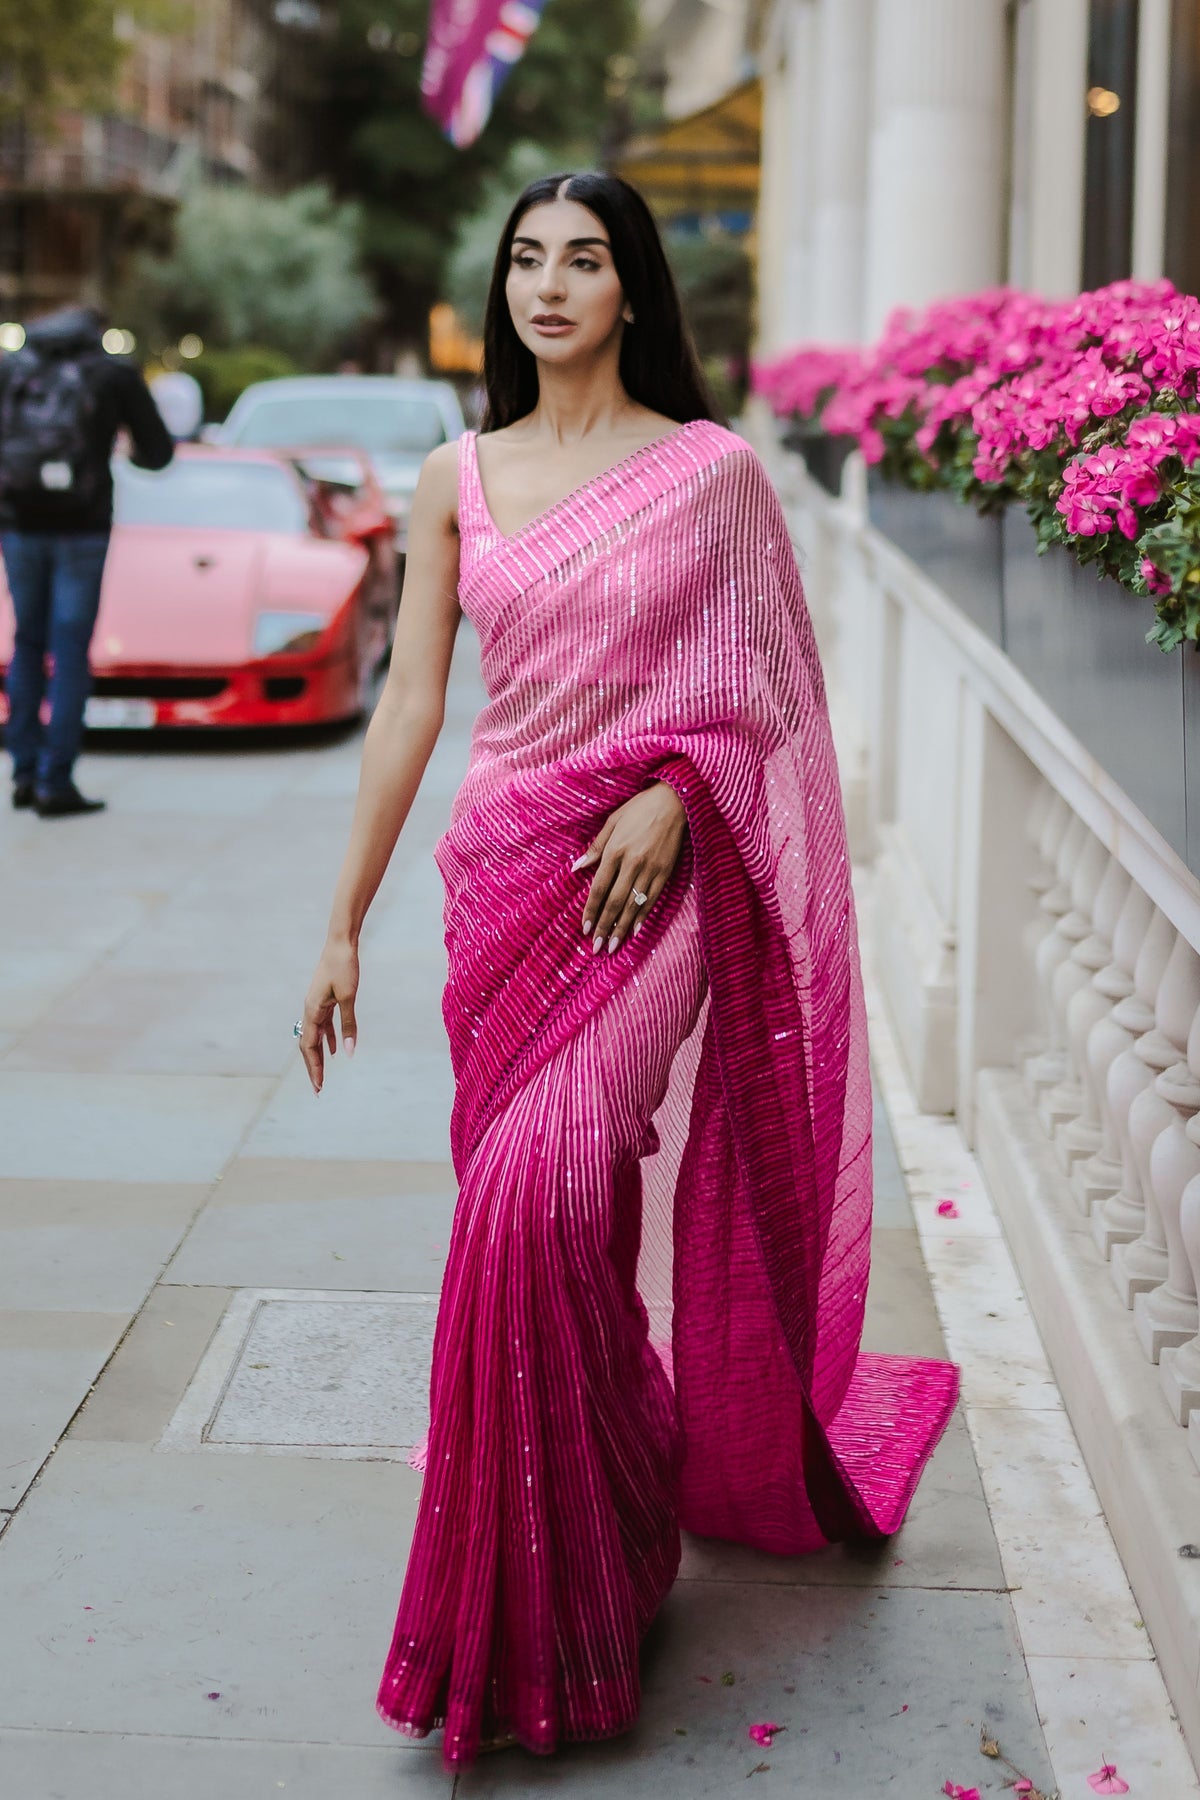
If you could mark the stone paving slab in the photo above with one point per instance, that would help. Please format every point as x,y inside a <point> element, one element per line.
<point>283,1222</point>
<point>270,1580</point>
<point>101,1765</point>
<point>836,1666</point>
<point>144,1383</point>
<point>48,1361</point>
<point>398,1107</point>
<point>88,1246</point>
<point>165,1020</point>
<point>105,1127</point>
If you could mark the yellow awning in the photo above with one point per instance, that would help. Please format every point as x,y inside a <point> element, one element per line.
<point>707,162</point>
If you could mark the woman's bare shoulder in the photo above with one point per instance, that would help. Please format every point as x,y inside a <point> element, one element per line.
<point>437,485</point>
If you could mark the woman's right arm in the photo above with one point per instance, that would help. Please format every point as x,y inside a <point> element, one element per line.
<point>398,744</point>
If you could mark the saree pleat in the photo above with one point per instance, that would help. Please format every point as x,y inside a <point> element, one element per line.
<point>654,1291</point>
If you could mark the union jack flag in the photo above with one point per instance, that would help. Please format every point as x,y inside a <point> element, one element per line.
<point>471,47</point>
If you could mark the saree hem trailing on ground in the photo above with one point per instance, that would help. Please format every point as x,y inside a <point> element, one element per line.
<point>653,1302</point>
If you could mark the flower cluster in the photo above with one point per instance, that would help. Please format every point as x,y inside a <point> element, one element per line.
<point>1085,410</point>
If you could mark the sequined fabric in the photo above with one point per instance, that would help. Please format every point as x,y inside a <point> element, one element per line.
<point>655,1285</point>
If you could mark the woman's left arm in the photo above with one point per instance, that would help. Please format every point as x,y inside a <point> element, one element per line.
<point>636,849</point>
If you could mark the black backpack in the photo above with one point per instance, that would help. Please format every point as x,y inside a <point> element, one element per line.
<point>47,407</point>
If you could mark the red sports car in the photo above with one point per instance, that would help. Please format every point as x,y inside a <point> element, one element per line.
<point>243,587</point>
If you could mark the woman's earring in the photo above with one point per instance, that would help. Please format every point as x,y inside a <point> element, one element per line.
<point>629,318</point>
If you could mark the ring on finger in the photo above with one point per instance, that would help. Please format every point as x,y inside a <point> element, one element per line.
<point>639,899</point>
<point>298,1028</point>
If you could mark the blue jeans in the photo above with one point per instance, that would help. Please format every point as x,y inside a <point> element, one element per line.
<point>54,579</point>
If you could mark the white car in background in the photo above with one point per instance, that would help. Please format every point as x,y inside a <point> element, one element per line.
<point>396,421</point>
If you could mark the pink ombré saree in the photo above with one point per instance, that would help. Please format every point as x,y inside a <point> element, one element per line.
<point>654,1293</point>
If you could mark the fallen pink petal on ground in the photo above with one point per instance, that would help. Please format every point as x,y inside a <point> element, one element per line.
<point>763,1734</point>
<point>1107,1781</point>
<point>947,1209</point>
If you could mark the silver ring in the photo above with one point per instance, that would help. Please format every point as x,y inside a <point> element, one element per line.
<point>297,1028</point>
<point>639,899</point>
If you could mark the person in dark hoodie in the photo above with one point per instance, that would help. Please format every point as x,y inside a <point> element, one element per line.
<point>63,399</point>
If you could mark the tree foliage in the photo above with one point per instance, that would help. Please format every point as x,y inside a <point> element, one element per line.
<point>280,272</point>
<point>415,188</point>
<point>66,53</point>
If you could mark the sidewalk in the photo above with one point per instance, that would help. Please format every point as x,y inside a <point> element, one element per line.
<point>201,1555</point>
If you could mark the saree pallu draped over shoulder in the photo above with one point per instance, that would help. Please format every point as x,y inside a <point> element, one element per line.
<point>655,1286</point>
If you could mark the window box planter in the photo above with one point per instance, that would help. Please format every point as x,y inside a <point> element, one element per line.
<point>824,455</point>
<point>959,549</point>
<point>1081,642</point>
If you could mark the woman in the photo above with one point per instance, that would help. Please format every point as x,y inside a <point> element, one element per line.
<point>655,1284</point>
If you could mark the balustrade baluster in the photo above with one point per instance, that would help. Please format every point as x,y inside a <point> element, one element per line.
<point>1103,1177</point>
<point>1166,1316</point>
<point>1096,1040</point>
<point>1049,1064</point>
<point>1179,1368</point>
<point>1141,1263</point>
<point>1048,833</point>
<point>1098,891</point>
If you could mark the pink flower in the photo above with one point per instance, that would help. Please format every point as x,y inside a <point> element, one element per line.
<point>1187,438</point>
<point>1141,488</point>
<point>1084,513</point>
<point>1107,1781</point>
<point>1154,434</point>
<point>763,1734</point>
<point>872,445</point>
<point>960,1793</point>
<point>947,1209</point>
<point>1156,581</point>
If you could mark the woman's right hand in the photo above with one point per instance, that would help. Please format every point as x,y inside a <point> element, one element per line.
<point>333,989</point>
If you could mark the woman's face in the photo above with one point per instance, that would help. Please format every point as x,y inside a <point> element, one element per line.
<point>562,287</point>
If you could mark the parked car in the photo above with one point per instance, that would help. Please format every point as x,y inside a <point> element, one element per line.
<point>242,587</point>
<point>396,422</point>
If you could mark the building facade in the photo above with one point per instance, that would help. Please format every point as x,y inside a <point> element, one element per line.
<point>917,148</point>
<point>222,99</point>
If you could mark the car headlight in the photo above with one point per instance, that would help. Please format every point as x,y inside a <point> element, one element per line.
<point>285,633</point>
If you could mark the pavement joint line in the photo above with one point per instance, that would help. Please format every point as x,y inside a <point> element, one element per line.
<point>210,1737</point>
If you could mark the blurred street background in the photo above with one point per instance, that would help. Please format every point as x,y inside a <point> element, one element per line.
<point>217,1293</point>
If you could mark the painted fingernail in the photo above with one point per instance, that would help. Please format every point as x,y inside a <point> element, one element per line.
<point>579,861</point>
<point>587,926</point>
<point>614,943</point>
<point>638,926</point>
<point>597,945</point>
<point>348,1046</point>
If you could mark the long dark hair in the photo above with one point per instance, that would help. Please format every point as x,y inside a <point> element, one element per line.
<point>659,366</point>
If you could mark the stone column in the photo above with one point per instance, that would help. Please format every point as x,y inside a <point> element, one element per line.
<point>936,186</point>
<point>1057,115</point>
<point>842,66</point>
<point>795,299</point>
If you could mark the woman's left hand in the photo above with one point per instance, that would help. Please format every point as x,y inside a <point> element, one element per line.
<point>636,849</point>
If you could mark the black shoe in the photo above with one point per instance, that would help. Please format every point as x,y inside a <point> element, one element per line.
<point>22,795</point>
<point>62,805</point>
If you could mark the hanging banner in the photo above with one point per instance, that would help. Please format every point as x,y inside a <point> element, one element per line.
<point>472,45</point>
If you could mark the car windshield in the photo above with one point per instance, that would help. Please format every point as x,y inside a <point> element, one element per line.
<point>382,424</point>
<point>230,496</point>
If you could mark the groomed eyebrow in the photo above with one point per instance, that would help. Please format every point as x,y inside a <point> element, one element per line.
<point>572,243</point>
